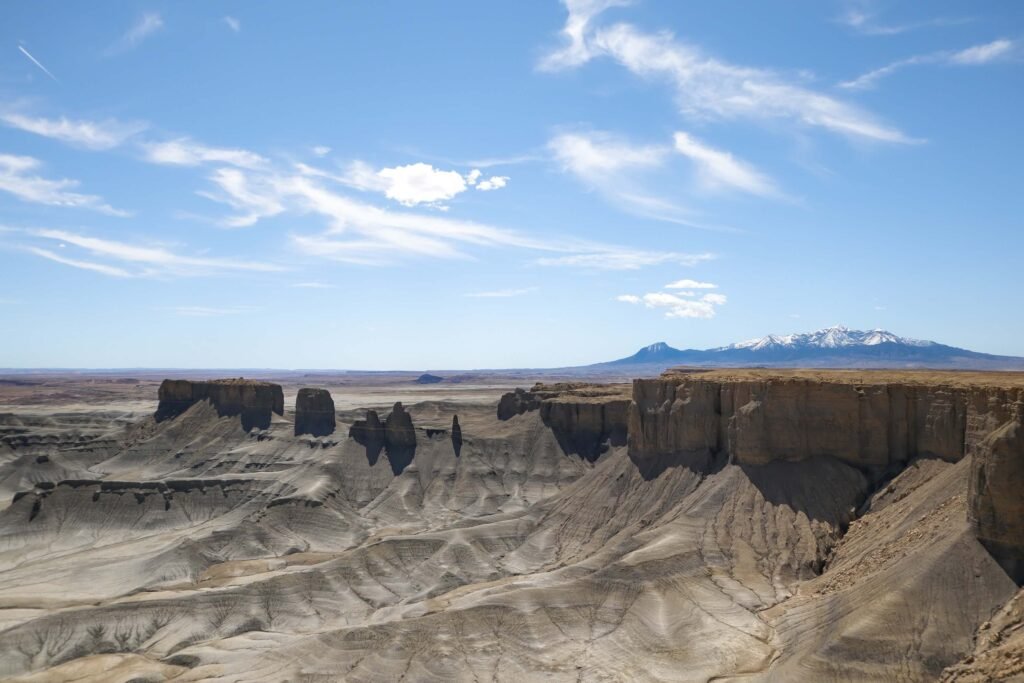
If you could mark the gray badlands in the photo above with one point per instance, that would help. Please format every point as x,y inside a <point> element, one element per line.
<point>718,525</point>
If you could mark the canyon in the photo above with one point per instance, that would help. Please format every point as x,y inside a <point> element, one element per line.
<point>704,525</point>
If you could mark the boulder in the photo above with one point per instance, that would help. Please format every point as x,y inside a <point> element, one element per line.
<point>314,412</point>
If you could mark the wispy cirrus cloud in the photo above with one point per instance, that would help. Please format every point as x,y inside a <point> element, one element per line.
<point>612,166</point>
<point>707,87</point>
<point>35,61</point>
<point>862,19</point>
<point>121,259</point>
<point>18,177</point>
<point>95,135</point>
<point>976,55</point>
<point>359,232</point>
<point>233,23</point>
<point>142,29</point>
<point>717,168</point>
<point>103,268</point>
<point>187,152</point>
<point>613,258</point>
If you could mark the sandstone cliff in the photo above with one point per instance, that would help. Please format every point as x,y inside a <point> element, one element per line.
<point>314,412</point>
<point>585,418</point>
<point>253,401</point>
<point>875,422</point>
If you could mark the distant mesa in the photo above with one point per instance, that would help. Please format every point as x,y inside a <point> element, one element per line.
<point>427,378</point>
<point>831,347</point>
<point>251,400</point>
<point>314,412</point>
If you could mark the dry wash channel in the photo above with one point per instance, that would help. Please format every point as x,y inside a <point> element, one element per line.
<point>724,525</point>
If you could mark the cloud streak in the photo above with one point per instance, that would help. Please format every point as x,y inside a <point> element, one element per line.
<point>706,87</point>
<point>972,56</point>
<point>121,259</point>
<point>95,135</point>
<point>17,178</point>
<point>718,169</point>
<point>146,26</point>
<point>37,62</point>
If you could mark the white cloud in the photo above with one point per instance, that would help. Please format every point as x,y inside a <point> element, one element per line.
<point>706,87</point>
<point>983,54</point>
<point>420,184</point>
<point>185,152</point>
<point>362,233</point>
<point>577,51</point>
<point>677,305</point>
<point>609,165</point>
<point>409,185</point>
<point>690,284</point>
<point>233,23</point>
<point>495,182</point>
<point>596,155</point>
<point>864,22</point>
<point>502,293</point>
<point>15,178</point>
<point>717,168</point>
<point>622,259</point>
<point>97,135</point>
<point>142,29</point>
<point>972,56</point>
<point>135,260</point>
<point>253,198</point>
<point>321,150</point>
<point>36,62</point>
<point>112,271</point>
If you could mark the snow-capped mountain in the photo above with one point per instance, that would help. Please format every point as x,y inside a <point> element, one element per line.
<point>835,347</point>
<point>828,338</point>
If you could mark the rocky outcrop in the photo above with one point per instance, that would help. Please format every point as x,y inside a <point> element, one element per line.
<point>427,378</point>
<point>996,493</point>
<point>314,412</point>
<point>868,421</point>
<point>253,401</point>
<point>398,429</point>
<point>585,418</point>
<point>456,436</point>
<point>396,435</point>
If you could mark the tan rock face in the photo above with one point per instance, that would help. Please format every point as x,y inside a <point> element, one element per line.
<point>996,497</point>
<point>876,427</point>
<point>585,418</point>
<point>253,401</point>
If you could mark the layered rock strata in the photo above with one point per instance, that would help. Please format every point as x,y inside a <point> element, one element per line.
<point>253,401</point>
<point>314,412</point>
<point>585,418</point>
<point>873,422</point>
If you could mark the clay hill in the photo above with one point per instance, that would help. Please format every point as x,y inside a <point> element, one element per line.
<point>718,525</point>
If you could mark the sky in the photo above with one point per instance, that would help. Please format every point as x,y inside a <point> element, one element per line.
<point>447,185</point>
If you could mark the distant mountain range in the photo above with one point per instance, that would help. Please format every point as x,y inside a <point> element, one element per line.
<point>832,347</point>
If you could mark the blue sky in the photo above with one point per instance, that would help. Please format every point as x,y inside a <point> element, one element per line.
<point>463,184</point>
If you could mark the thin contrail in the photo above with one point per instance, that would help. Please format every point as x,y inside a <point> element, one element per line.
<point>36,62</point>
